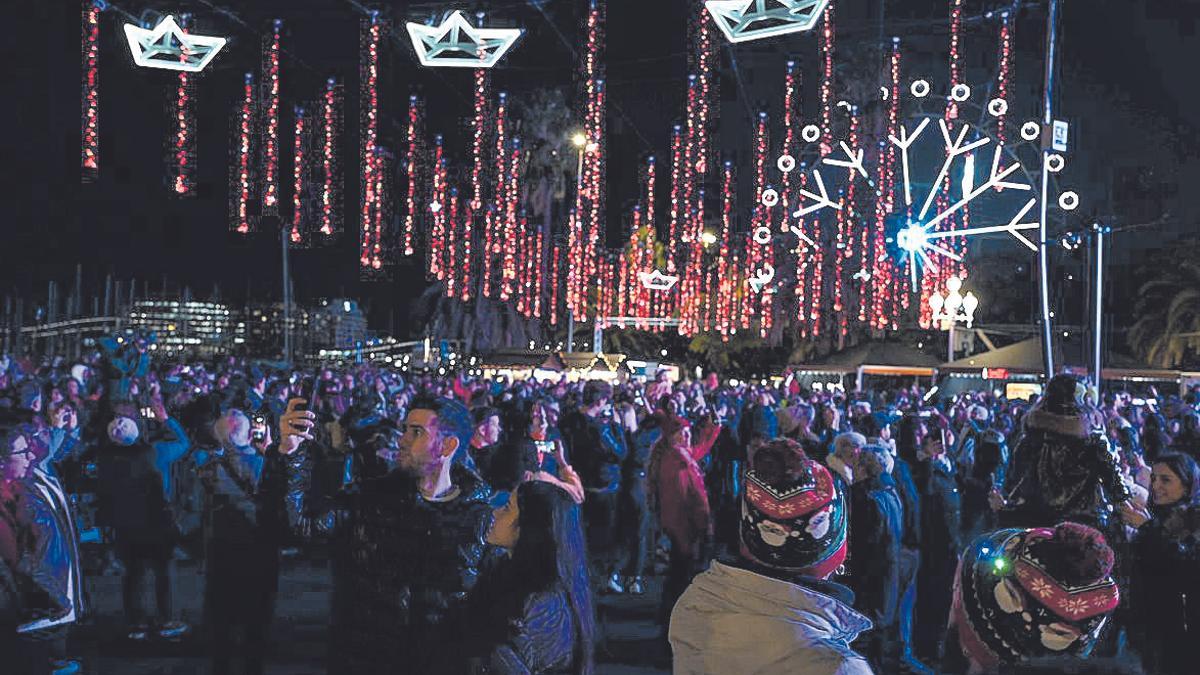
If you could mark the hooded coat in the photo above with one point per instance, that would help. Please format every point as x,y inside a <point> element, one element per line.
<point>733,620</point>
<point>1063,469</point>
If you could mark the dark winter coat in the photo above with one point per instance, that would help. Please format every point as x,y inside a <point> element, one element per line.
<point>876,529</point>
<point>52,562</point>
<point>542,640</point>
<point>402,568</point>
<point>130,492</point>
<point>941,513</point>
<point>1165,591</point>
<point>910,497</point>
<point>1063,469</point>
<point>596,448</point>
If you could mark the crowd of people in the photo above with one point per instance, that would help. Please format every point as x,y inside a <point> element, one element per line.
<point>471,523</point>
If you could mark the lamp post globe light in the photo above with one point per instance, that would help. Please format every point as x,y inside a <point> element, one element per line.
<point>953,308</point>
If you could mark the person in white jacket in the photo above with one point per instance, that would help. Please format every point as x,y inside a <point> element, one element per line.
<point>771,609</point>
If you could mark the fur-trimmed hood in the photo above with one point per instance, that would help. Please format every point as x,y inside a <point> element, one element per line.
<point>1076,425</point>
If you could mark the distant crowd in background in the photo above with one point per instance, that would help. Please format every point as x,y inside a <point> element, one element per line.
<point>470,523</point>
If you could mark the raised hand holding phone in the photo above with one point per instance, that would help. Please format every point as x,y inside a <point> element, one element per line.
<point>295,426</point>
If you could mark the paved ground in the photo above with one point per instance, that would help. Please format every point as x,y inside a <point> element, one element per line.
<point>299,632</point>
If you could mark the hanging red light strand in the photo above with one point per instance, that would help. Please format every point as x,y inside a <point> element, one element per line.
<point>883,274</point>
<point>271,74</point>
<point>371,170</point>
<point>298,158</point>
<point>241,183</point>
<point>331,185</point>
<point>183,141</point>
<point>90,132</point>
<point>439,206</point>
<point>1005,76</point>
<point>411,169</point>
<point>826,95</point>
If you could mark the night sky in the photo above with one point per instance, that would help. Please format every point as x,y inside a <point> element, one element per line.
<point>1128,89</point>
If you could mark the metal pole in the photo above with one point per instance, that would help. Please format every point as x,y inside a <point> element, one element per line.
<point>287,297</point>
<point>1044,246</point>
<point>951,332</point>
<point>1098,309</point>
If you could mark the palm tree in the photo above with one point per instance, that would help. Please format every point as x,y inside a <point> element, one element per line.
<point>1166,332</point>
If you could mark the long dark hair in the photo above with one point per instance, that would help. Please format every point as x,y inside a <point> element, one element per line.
<point>550,551</point>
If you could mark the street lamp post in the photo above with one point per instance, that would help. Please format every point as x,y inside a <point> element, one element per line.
<point>953,308</point>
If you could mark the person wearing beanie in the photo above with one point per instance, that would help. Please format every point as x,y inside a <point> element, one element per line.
<point>770,609</point>
<point>1024,594</point>
<point>1063,468</point>
<point>875,555</point>
<point>679,496</point>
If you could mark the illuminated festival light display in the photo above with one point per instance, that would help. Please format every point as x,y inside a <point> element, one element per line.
<point>181,171</point>
<point>270,146</point>
<point>299,218</point>
<point>456,43</point>
<point>90,123</point>
<point>746,20</point>
<point>331,180</point>
<point>242,171</point>
<point>169,47</point>
<point>371,168</point>
<point>411,170</point>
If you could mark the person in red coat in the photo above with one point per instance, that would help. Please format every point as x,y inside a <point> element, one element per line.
<point>677,490</point>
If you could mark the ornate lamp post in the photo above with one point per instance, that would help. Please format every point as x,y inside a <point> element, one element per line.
<point>953,308</point>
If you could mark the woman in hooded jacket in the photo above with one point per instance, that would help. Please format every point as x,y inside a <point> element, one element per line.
<point>1166,568</point>
<point>1063,469</point>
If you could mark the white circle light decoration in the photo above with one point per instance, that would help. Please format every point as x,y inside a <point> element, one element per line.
<point>960,92</point>
<point>920,88</point>
<point>1031,130</point>
<point>810,133</point>
<point>997,107</point>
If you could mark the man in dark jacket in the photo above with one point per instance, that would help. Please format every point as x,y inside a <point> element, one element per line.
<point>245,525</point>
<point>1063,469</point>
<point>937,485</point>
<point>876,527</point>
<point>134,504</point>
<point>408,545</point>
<point>596,447</point>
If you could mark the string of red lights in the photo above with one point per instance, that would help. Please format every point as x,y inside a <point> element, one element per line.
<point>90,132</point>
<point>241,173</point>
<point>270,163</point>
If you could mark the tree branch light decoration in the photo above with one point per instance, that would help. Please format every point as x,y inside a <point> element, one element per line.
<point>168,47</point>
<point>746,20</point>
<point>455,43</point>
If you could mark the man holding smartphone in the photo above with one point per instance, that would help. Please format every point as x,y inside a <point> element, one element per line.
<point>407,545</point>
